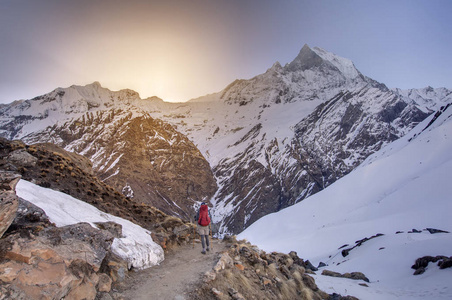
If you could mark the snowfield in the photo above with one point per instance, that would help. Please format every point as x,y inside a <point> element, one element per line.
<point>404,186</point>
<point>136,246</point>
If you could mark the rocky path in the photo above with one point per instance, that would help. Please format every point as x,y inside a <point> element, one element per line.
<point>174,277</point>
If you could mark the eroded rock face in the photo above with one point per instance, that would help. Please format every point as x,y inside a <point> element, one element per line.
<point>327,144</point>
<point>8,199</point>
<point>57,263</point>
<point>22,157</point>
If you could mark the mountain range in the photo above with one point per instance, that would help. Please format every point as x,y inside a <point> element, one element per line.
<point>254,148</point>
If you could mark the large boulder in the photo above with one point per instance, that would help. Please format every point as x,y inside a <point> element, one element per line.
<point>8,199</point>
<point>22,157</point>
<point>55,263</point>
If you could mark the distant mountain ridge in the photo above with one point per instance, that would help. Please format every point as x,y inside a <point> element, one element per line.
<point>251,149</point>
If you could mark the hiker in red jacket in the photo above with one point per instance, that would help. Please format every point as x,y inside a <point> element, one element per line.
<point>203,218</point>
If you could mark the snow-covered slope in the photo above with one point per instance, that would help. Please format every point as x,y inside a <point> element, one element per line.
<point>136,246</point>
<point>404,186</point>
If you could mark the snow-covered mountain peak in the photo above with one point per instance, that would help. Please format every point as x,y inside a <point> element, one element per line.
<point>80,99</point>
<point>314,74</point>
<point>306,59</point>
<point>275,68</point>
<point>97,94</point>
<point>310,58</point>
<point>344,65</point>
<point>94,85</point>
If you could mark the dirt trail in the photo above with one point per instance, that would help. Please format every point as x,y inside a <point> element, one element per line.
<point>174,277</point>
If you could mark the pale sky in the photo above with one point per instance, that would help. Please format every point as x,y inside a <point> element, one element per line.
<point>183,49</point>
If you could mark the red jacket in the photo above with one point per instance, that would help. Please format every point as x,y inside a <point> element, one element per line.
<point>203,216</point>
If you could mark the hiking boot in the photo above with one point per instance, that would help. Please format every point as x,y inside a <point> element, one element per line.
<point>203,251</point>
<point>208,249</point>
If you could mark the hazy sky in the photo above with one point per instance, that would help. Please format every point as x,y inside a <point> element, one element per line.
<point>182,49</point>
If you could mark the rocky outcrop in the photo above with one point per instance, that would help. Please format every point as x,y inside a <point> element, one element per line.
<point>8,200</point>
<point>421,263</point>
<point>351,275</point>
<point>358,243</point>
<point>246,272</point>
<point>41,261</point>
<point>57,263</point>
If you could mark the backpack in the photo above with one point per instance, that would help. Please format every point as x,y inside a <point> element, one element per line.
<point>204,218</point>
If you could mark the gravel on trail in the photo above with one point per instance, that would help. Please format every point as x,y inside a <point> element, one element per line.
<point>175,276</point>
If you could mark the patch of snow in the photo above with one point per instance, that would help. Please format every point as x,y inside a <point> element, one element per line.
<point>114,174</point>
<point>136,246</point>
<point>127,191</point>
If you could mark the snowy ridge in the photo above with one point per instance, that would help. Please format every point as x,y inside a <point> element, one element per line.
<point>401,187</point>
<point>61,105</point>
<point>136,246</point>
<point>428,99</point>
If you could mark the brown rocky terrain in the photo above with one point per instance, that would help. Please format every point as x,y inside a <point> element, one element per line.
<point>231,270</point>
<point>246,272</point>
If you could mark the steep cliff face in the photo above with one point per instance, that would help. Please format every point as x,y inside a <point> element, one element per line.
<point>144,158</point>
<point>341,133</point>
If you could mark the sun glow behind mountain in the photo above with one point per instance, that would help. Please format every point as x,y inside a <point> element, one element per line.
<point>178,50</point>
<point>157,49</point>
